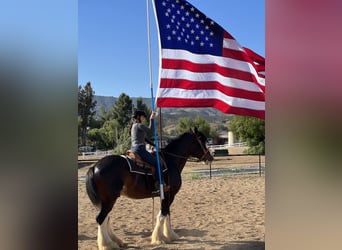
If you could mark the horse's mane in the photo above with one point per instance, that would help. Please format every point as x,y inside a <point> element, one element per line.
<point>175,142</point>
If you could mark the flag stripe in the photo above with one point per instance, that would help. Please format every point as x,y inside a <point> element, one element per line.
<point>208,59</point>
<point>229,91</point>
<point>228,74</point>
<point>212,94</point>
<point>207,77</point>
<point>215,103</point>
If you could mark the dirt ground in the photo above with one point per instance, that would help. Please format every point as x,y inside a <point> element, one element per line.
<point>222,212</point>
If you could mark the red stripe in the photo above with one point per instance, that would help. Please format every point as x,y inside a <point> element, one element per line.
<point>227,35</point>
<point>255,57</point>
<point>205,68</point>
<point>215,103</point>
<point>242,56</point>
<point>208,85</point>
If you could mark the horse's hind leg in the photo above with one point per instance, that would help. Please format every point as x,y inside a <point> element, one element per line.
<point>112,235</point>
<point>104,240</point>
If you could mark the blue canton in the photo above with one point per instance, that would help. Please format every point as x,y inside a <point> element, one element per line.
<point>182,26</point>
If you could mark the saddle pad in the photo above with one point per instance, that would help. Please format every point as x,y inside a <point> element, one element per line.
<point>134,168</point>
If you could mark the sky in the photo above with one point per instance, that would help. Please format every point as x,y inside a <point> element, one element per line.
<point>113,40</point>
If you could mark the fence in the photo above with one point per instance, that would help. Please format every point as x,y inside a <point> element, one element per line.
<point>230,164</point>
<point>94,155</point>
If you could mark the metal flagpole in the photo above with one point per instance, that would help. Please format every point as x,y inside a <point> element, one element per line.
<point>152,104</point>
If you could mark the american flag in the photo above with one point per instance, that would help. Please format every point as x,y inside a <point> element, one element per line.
<point>202,65</point>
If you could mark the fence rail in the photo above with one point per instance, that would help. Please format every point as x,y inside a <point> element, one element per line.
<point>94,155</point>
<point>223,146</point>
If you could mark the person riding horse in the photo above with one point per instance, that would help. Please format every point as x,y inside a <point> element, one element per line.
<point>138,139</point>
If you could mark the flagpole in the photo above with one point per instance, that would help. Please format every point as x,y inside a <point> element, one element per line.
<point>152,102</point>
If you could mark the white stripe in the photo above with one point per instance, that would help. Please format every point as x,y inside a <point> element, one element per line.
<point>232,44</point>
<point>261,80</point>
<point>210,94</point>
<point>203,77</point>
<point>209,59</point>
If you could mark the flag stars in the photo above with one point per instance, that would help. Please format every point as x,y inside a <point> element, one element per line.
<point>186,26</point>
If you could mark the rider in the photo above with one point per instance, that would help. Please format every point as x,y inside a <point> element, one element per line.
<point>138,137</point>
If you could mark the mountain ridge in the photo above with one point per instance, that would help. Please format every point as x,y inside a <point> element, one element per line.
<point>212,115</point>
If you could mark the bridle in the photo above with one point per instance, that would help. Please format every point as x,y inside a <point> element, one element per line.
<point>205,151</point>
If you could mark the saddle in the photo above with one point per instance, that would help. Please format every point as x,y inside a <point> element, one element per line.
<point>137,165</point>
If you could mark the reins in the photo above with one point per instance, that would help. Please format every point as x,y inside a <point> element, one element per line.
<point>205,151</point>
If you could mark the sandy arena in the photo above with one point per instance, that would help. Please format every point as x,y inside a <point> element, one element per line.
<point>224,212</point>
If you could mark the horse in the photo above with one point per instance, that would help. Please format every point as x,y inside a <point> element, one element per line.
<point>110,177</point>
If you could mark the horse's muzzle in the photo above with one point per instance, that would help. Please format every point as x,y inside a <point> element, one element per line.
<point>207,157</point>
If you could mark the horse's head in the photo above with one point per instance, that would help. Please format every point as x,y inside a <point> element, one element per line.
<point>199,148</point>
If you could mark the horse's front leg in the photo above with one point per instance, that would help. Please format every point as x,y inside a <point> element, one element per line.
<point>163,233</point>
<point>168,232</point>
<point>158,237</point>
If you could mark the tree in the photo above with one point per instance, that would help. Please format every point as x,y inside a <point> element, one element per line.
<point>185,124</point>
<point>122,110</point>
<point>250,130</point>
<point>142,106</point>
<point>86,106</point>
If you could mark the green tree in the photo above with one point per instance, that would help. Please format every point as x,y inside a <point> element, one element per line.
<point>86,106</point>
<point>142,106</point>
<point>124,142</point>
<point>185,124</point>
<point>122,110</point>
<point>250,130</point>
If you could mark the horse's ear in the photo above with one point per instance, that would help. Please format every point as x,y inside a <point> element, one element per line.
<point>191,131</point>
<point>196,130</point>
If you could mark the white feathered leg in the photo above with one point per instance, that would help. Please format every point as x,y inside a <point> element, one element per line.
<point>168,231</point>
<point>113,236</point>
<point>104,241</point>
<point>157,234</point>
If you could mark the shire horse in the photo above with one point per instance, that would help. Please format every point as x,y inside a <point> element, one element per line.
<point>110,177</point>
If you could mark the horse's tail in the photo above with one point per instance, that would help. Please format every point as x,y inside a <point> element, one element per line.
<point>91,187</point>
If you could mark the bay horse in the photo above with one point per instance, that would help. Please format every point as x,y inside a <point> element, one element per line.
<point>110,177</point>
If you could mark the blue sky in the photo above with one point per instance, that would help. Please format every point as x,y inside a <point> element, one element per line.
<point>113,48</point>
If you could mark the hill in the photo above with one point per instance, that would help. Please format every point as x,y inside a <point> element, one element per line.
<point>170,116</point>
